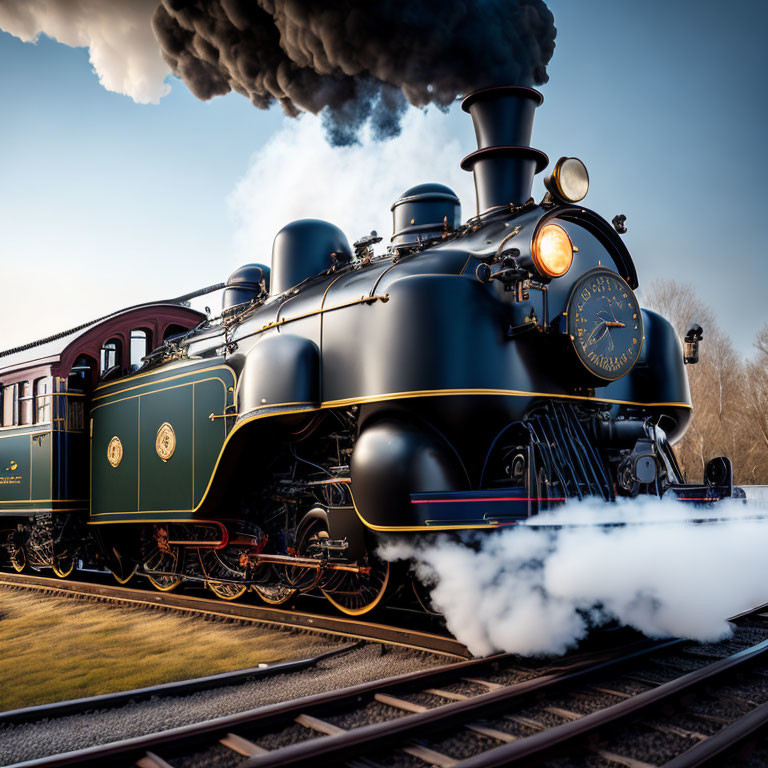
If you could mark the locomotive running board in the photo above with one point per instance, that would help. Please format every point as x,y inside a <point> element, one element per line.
<point>508,507</point>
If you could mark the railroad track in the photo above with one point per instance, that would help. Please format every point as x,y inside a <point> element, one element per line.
<point>242,735</point>
<point>599,708</point>
<point>342,627</point>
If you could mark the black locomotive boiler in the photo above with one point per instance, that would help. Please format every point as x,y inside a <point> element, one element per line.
<point>470,376</point>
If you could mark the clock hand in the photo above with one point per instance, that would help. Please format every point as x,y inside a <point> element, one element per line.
<point>615,324</point>
<point>591,338</point>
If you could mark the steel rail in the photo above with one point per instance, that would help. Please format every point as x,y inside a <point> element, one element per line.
<point>560,736</point>
<point>722,742</point>
<point>355,629</point>
<point>176,688</point>
<point>332,748</point>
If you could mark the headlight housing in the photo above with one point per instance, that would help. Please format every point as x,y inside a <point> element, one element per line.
<point>552,251</point>
<point>569,181</point>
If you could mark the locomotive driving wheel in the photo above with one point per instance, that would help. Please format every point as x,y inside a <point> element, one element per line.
<point>358,593</point>
<point>353,593</point>
<point>226,566</point>
<point>63,565</point>
<point>274,594</point>
<point>18,559</point>
<point>14,545</point>
<point>120,567</point>
<point>162,560</point>
<point>118,551</point>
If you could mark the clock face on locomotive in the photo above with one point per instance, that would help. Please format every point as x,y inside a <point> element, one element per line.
<point>604,324</point>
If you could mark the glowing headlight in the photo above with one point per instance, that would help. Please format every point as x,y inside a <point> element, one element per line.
<point>552,251</point>
<point>569,181</point>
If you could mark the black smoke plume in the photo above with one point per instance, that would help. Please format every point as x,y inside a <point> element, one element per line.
<point>354,60</point>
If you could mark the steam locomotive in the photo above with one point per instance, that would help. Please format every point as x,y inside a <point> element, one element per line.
<point>470,376</point>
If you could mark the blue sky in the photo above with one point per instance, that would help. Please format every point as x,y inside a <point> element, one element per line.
<point>104,202</point>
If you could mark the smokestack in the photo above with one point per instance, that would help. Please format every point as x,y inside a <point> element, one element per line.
<point>504,164</point>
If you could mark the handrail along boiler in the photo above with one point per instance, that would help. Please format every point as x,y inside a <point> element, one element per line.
<point>469,377</point>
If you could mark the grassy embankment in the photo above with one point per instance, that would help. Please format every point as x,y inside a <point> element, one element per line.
<point>52,648</point>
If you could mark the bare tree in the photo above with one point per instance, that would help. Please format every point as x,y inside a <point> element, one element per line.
<point>730,396</point>
<point>756,410</point>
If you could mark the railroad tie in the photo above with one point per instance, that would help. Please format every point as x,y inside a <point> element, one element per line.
<point>534,725</point>
<point>643,680</point>
<point>447,694</point>
<point>627,762</point>
<point>611,692</point>
<point>662,728</point>
<point>415,750</point>
<point>242,746</point>
<point>321,726</point>
<point>409,706</point>
<point>566,714</point>
<point>682,732</point>
<point>151,760</point>
<point>484,730</point>
<point>716,719</point>
<point>485,683</point>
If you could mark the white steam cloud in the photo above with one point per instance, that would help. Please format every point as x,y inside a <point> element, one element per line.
<point>538,590</point>
<point>298,175</point>
<point>119,37</point>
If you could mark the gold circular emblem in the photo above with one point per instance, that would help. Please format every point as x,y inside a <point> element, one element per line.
<point>165,442</point>
<point>115,451</point>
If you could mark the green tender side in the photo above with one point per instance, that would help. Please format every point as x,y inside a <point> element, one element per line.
<point>26,471</point>
<point>144,485</point>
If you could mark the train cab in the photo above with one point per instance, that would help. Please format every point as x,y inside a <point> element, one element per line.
<point>45,390</point>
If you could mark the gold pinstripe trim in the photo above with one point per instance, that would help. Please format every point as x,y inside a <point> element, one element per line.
<point>384,272</point>
<point>281,306</point>
<point>199,369</point>
<point>302,403</point>
<point>148,373</point>
<point>286,320</point>
<point>328,288</point>
<point>157,391</point>
<point>497,392</point>
<point>461,271</point>
<point>279,323</point>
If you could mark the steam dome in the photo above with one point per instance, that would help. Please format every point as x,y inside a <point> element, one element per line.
<point>245,284</point>
<point>304,248</point>
<point>423,212</point>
